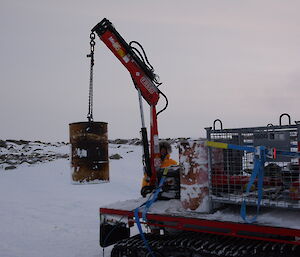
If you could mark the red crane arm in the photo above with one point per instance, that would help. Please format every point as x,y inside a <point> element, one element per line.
<point>144,80</point>
<point>142,76</point>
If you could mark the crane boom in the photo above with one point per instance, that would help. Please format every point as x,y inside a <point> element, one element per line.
<point>144,80</point>
<point>142,76</point>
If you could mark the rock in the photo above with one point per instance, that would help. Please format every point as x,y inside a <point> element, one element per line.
<point>11,162</point>
<point>115,157</point>
<point>3,144</point>
<point>135,141</point>
<point>18,142</point>
<point>38,149</point>
<point>21,151</point>
<point>10,167</point>
<point>121,141</point>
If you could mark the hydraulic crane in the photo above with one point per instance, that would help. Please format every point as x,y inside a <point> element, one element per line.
<point>145,81</point>
<point>210,179</point>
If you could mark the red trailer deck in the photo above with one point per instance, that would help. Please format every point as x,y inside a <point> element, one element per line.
<point>276,225</point>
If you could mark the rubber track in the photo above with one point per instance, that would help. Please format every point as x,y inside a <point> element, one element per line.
<point>189,244</point>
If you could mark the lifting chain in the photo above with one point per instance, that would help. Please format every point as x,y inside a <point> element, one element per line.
<point>91,55</point>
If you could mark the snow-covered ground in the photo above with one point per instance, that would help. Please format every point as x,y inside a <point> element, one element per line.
<point>42,214</point>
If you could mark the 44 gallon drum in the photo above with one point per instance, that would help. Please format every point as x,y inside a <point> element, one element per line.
<point>89,152</point>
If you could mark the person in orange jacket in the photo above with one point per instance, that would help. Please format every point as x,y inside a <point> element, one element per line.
<point>165,151</point>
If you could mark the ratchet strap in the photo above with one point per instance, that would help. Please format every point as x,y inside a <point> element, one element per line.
<point>147,205</point>
<point>155,194</point>
<point>258,172</point>
<point>137,219</point>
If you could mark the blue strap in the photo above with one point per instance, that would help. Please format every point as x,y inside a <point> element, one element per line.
<point>258,171</point>
<point>249,149</point>
<point>153,199</point>
<point>148,205</point>
<point>137,220</point>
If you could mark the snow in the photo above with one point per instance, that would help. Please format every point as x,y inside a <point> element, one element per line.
<point>81,153</point>
<point>43,214</point>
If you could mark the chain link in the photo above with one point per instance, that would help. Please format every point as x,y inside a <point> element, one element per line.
<point>91,55</point>
<point>92,43</point>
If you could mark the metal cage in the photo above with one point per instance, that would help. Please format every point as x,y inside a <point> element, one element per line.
<point>230,175</point>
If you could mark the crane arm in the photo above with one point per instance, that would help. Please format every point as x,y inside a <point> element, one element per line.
<point>141,74</point>
<point>145,82</point>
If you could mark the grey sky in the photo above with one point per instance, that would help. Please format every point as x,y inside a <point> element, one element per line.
<point>228,59</point>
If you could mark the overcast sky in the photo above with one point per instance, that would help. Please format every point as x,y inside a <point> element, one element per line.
<point>235,60</point>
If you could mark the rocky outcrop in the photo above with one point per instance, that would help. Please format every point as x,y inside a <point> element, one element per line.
<point>134,141</point>
<point>115,157</point>
<point>16,152</point>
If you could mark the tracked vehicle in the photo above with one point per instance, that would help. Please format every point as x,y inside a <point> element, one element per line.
<point>235,193</point>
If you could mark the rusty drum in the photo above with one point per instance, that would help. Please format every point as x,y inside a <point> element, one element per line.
<point>194,178</point>
<point>89,152</point>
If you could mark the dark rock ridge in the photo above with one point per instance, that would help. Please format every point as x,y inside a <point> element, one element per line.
<point>137,141</point>
<point>16,152</point>
<point>119,141</point>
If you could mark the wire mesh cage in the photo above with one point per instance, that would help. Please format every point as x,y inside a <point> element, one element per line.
<point>229,177</point>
